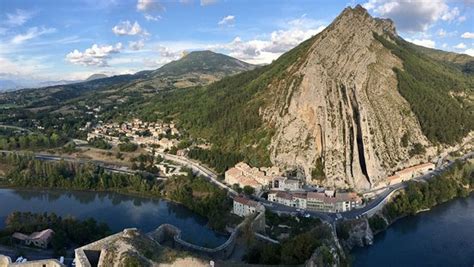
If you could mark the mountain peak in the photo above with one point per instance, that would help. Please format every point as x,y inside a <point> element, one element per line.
<point>358,16</point>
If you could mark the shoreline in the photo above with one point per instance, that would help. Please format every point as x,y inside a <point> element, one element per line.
<point>389,224</point>
<point>414,228</point>
<point>126,194</point>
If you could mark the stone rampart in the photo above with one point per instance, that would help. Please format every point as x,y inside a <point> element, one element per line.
<point>167,232</point>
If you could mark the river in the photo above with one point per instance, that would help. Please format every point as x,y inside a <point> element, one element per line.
<point>443,236</point>
<point>118,211</point>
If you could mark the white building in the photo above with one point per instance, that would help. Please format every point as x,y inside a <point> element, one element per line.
<point>292,199</point>
<point>317,201</point>
<point>244,207</point>
<point>284,183</point>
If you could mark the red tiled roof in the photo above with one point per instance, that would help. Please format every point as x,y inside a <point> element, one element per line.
<point>245,201</point>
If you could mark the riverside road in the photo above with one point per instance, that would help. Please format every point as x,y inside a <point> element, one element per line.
<point>199,169</point>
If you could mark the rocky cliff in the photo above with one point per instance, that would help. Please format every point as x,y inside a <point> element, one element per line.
<point>339,105</point>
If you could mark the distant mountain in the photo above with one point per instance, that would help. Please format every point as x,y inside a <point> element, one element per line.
<point>203,62</point>
<point>96,76</point>
<point>8,85</point>
<point>194,69</point>
<point>53,83</point>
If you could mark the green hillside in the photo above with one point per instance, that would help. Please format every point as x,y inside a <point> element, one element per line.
<point>440,95</point>
<point>227,112</point>
<point>204,62</point>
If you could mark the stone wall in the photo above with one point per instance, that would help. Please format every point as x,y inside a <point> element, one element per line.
<point>6,261</point>
<point>167,232</point>
<point>82,259</point>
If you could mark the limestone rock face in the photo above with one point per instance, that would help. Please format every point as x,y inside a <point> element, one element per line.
<point>340,103</point>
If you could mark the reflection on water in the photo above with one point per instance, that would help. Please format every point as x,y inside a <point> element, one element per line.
<point>118,211</point>
<point>443,236</point>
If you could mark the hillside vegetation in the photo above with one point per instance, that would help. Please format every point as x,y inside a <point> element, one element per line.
<point>437,93</point>
<point>227,113</point>
<point>203,61</point>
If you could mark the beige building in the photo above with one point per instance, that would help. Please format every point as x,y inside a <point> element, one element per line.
<point>244,175</point>
<point>410,173</point>
<point>244,206</point>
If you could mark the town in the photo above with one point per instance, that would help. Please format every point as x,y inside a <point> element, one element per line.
<point>159,135</point>
<point>269,183</point>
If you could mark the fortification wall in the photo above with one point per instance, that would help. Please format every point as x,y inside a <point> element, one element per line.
<point>167,232</point>
<point>5,261</point>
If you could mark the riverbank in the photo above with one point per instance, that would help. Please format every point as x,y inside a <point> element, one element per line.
<point>194,192</point>
<point>117,210</point>
<point>439,237</point>
<point>418,199</point>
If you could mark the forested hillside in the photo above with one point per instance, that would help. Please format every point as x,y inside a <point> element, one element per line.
<point>439,94</point>
<point>227,113</point>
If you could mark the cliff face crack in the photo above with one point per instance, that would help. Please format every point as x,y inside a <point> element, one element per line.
<point>360,142</point>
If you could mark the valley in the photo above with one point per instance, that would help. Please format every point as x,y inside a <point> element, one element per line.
<point>213,159</point>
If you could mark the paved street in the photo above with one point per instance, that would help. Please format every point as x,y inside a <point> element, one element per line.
<point>199,169</point>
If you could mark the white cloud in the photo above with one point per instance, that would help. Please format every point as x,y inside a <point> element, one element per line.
<point>30,34</point>
<point>19,18</point>
<point>442,33</point>
<point>423,42</point>
<point>413,15</point>
<point>445,45</point>
<point>97,55</point>
<point>469,51</point>
<point>264,50</point>
<point>468,35</point>
<point>149,6</point>
<point>451,14</point>
<point>150,9</point>
<point>208,2</point>
<point>166,55</point>
<point>153,18</point>
<point>127,28</point>
<point>227,20</point>
<point>138,45</point>
<point>460,46</point>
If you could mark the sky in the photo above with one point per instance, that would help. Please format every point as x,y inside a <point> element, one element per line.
<point>51,40</point>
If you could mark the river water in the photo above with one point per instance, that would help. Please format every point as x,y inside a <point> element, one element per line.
<point>443,236</point>
<point>118,211</point>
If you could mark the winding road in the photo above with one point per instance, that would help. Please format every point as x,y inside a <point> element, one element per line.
<point>376,203</point>
<point>205,172</point>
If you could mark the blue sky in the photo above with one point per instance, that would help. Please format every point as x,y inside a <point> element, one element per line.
<point>68,40</point>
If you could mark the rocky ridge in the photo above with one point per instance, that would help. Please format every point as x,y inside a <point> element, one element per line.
<point>339,104</point>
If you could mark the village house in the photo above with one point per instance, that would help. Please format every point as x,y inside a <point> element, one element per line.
<point>38,239</point>
<point>293,199</point>
<point>244,175</point>
<point>410,173</point>
<point>284,183</point>
<point>139,132</point>
<point>317,201</point>
<point>244,206</point>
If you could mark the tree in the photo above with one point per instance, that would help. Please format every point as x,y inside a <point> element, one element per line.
<point>248,190</point>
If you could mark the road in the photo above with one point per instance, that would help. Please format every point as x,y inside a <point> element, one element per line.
<point>15,128</point>
<point>106,165</point>
<point>330,217</point>
<point>197,168</point>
